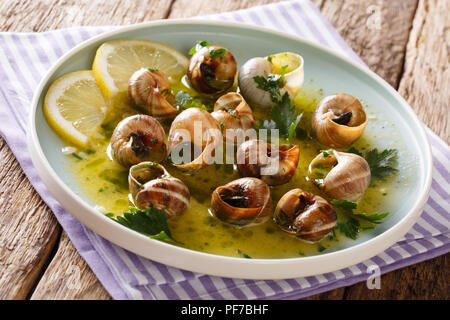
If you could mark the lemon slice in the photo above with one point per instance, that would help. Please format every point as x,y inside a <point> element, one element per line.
<point>74,107</point>
<point>116,60</point>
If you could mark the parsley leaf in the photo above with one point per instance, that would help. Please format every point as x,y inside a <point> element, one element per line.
<point>151,222</point>
<point>283,113</point>
<point>152,69</point>
<point>351,227</point>
<point>198,45</point>
<point>381,163</point>
<point>284,116</point>
<point>184,100</point>
<point>244,255</point>
<point>272,85</point>
<point>219,53</point>
<point>348,206</point>
<point>355,151</point>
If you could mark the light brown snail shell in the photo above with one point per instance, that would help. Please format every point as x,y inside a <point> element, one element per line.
<point>233,114</point>
<point>242,202</point>
<point>255,158</point>
<point>305,215</point>
<point>349,177</point>
<point>211,75</point>
<point>151,184</point>
<point>339,120</point>
<point>150,91</point>
<point>138,138</point>
<point>204,140</point>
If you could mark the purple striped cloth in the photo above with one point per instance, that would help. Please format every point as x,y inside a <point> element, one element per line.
<point>24,59</point>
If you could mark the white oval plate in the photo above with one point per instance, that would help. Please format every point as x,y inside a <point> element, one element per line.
<point>333,72</point>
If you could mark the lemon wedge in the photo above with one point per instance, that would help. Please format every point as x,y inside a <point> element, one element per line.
<point>74,107</point>
<point>116,60</point>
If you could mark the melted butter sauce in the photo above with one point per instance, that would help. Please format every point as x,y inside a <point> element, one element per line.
<point>105,183</point>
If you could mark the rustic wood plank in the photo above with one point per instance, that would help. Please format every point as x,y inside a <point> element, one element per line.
<point>426,280</point>
<point>28,230</point>
<point>69,277</point>
<point>44,15</point>
<point>426,80</point>
<point>188,8</point>
<point>376,30</point>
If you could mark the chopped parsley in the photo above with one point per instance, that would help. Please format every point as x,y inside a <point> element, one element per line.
<point>283,113</point>
<point>351,227</point>
<point>218,53</point>
<point>184,100</point>
<point>198,45</point>
<point>244,255</point>
<point>151,222</point>
<point>326,153</point>
<point>77,156</point>
<point>381,163</point>
<point>152,69</point>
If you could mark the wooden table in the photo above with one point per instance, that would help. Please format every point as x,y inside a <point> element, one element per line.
<point>407,42</point>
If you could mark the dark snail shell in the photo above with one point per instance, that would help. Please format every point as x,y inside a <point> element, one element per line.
<point>234,116</point>
<point>273,164</point>
<point>211,74</point>
<point>339,120</point>
<point>150,92</point>
<point>348,178</point>
<point>151,184</point>
<point>305,215</point>
<point>242,202</point>
<point>138,138</point>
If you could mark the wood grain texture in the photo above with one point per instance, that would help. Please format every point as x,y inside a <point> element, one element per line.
<point>28,230</point>
<point>69,277</point>
<point>189,8</point>
<point>426,280</point>
<point>383,49</point>
<point>376,30</point>
<point>44,15</point>
<point>426,80</point>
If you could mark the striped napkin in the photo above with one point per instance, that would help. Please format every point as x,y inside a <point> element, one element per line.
<point>24,59</point>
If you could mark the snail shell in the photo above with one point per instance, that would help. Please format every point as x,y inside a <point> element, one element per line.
<point>150,183</point>
<point>349,177</point>
<point>305,215</point>
<point>259,66</point>
<point>242,202</point>
<point>138,138</point>
<point>150,91</point>
<point>275,165</point>
<point>234,114</point>
<point>339,120</point>
<point>198,130</point>
<point>211,75</point>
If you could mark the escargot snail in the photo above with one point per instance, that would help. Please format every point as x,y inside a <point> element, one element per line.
<point>150,183</point>
<point>212,69</point>
<point>267,68</point>
<point>348,178</point>
<point>305,215</point>
<point>242,202</point>
<point>138,138</point>
<point>149,90</point>
<point>338,120</point>
<point>234,115</point>
<point>193,137</point>
<point>273,164</point>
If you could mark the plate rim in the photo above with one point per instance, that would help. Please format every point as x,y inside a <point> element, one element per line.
<point>207,263</point>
